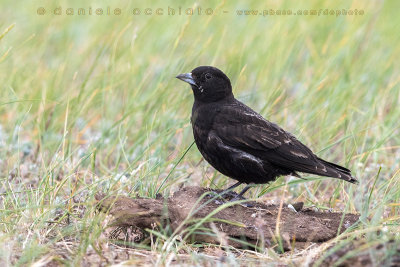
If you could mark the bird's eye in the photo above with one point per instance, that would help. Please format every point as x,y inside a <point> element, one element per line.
<point>208,76</point>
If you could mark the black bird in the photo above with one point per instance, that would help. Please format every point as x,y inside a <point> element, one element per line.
<point>240,143</point>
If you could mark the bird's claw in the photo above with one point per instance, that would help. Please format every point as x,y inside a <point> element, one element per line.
<point>233,195</point>
<point>238,197</point>
<point>244,204</point>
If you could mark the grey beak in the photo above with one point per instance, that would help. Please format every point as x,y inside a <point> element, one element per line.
<point>187,77</point>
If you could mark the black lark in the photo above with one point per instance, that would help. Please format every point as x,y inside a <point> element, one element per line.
<point>240,143</point>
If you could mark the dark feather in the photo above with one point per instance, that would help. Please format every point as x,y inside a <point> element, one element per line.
<point>240,143</point>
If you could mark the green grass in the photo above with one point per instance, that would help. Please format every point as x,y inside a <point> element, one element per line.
<point>90,104</point>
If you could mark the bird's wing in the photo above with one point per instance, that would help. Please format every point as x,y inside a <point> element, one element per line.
<point>242,128</point>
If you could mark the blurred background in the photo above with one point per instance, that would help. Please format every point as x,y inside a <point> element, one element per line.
<point>89,101</point>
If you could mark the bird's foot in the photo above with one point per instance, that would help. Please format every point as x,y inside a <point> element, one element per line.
<point>244,204</point>
<point>235,197</point>
<point>232,196</point>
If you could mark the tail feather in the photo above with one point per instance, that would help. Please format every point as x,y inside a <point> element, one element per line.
<point>337,171</point>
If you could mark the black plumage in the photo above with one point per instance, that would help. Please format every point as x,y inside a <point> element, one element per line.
<point>240,143</point>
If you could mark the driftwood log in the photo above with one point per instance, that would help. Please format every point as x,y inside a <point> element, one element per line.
<point>260,224</point>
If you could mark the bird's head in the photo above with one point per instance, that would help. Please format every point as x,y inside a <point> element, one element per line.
<point>209,84</point>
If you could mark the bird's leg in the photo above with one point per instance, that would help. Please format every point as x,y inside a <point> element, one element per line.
<point>229,190</point>
<point>235,195</point>
<point>240,195</point>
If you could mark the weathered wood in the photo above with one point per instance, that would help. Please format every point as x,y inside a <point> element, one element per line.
<point>270,223</point>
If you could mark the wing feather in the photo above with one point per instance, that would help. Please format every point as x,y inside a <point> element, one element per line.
<point>244,129</point>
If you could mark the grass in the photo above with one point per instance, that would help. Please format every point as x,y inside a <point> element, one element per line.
<point>90,104</point>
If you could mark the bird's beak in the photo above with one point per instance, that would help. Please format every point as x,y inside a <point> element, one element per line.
<point>187,77</point>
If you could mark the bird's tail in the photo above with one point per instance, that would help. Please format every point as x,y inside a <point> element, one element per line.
<point>336,171</point>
